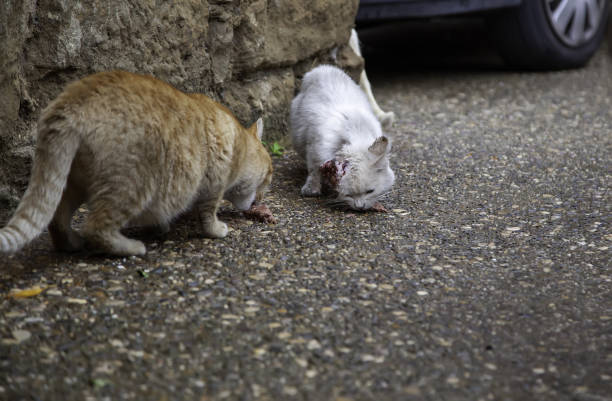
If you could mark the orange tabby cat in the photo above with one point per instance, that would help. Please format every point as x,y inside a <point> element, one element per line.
<point>138,151</point>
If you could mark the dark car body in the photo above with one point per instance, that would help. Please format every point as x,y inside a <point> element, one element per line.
<point>370,10</point>
<point>530,34</point>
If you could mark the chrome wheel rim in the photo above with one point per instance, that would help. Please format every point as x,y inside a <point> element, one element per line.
<point>574,22</point>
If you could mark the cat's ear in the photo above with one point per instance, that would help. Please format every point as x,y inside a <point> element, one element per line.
<point>381,146</point>
<point>259,129</point>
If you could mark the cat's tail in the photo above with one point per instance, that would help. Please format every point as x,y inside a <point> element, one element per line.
<point>56,147</point>
<point>354,43</point>
<point>386,118</point>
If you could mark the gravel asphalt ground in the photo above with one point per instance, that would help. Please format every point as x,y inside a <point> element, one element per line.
<point>489,279</point>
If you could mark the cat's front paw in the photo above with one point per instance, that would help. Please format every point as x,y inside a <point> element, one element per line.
<point>312,187</point>
<point>216,229</point>
<point>308,190</point>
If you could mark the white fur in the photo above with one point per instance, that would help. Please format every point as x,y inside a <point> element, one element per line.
<point>331,119</point>
<point>260,127</point>
<point>386,118</point>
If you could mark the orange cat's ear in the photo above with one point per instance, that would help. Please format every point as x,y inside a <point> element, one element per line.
<point>259,128</point>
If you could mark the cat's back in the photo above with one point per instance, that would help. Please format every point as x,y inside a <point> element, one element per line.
<point>331,84</point>
<point>115,83</point>
<point>118,93</point>
<point>130,122</point>
<point>329,97</point>
<point>117,110</point>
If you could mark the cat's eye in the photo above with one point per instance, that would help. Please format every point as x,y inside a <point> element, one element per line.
<point>369,191</point>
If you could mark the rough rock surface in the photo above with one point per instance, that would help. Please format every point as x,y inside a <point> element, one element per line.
<point>247,54</point>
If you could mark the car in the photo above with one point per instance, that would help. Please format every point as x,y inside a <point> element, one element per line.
<point>530,34</point>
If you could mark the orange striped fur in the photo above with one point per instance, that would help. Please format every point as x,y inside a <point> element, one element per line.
<point>137,151</point>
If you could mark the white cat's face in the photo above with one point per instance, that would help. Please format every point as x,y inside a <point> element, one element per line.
<point>363,184</point>
<point>366,176</point>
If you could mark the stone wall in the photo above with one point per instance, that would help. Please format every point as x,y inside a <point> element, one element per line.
<point>248,54</point>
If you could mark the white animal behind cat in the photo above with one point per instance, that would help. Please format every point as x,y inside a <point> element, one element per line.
<point>335,130</point>
<point>386,118</point>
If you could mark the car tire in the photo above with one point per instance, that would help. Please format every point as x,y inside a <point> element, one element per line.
<point>532,36</point>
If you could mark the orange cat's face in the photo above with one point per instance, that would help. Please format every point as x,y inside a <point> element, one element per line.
<point>255,172</point>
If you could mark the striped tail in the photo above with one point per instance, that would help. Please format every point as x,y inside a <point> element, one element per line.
<point>55,150</point>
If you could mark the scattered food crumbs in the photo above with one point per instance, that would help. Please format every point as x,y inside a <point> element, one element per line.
<point>28,292</point>
<point>76,301</point>
<point>99,383</point>
<point>21,335</point>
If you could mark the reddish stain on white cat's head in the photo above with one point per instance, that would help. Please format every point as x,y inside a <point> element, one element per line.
<point>332,172</point>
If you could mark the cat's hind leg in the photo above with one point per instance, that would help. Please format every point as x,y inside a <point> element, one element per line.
<point>112,209</point>
<point>63,236</point>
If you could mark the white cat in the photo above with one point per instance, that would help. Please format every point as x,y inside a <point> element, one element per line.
<point>335,130</point>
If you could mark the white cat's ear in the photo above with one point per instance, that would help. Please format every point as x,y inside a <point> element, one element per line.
<point>259,128</point>
<point>381,146</point>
